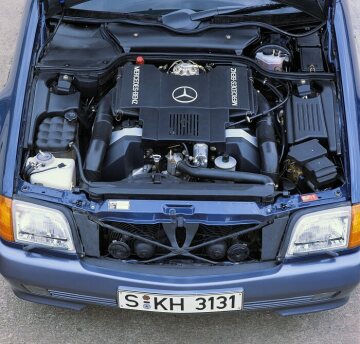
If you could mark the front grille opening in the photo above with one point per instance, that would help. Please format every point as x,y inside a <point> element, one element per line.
<point>161,244</point>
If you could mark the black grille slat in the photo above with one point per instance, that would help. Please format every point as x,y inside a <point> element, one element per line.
<point>184,124</point>
<point>150,231</point>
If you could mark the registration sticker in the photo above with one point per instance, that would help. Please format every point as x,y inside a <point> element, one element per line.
<point>118,205</point>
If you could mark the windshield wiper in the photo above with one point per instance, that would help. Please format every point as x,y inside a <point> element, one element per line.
<point>187,19</point>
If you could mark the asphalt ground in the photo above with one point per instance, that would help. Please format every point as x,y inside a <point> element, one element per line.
<point>24,322</point>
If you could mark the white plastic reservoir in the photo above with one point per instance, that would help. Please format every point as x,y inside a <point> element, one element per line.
<point>52,172</point>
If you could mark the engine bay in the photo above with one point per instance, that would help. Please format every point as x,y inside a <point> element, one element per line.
<point>265,116</point>
<point>175,116</point>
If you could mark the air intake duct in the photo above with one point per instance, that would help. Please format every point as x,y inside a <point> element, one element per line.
<point>265,132</point>
<point>100,139</point>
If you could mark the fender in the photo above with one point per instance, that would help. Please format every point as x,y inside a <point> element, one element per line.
<point>12,98</point>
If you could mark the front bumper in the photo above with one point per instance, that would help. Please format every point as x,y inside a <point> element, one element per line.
<point>291,288</point>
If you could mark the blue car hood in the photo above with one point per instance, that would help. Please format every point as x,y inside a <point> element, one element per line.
<point>316,8</point>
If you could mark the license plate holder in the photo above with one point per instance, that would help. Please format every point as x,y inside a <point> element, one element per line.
<point>202,302</point>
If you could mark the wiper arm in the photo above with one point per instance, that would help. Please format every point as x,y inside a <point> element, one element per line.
<point>187,19</point>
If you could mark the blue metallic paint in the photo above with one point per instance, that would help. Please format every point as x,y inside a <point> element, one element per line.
<point>286,281</point>
<point>275,282</point>
<point>12,99</point>
<point>348,62</point>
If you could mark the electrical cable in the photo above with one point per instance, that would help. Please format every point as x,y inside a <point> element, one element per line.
<point>249,119</point>
<point>51,37</point>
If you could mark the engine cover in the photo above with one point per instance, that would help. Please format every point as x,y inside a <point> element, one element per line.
<point>177,108</point>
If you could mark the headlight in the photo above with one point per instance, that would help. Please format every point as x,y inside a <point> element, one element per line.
<point>325,230</point>
<point>35,224</point>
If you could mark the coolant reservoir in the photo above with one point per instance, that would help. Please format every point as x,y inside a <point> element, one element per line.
<point>52,172</point>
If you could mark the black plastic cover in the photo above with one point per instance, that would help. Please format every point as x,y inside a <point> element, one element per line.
<point>307,151</point>
<point>245,153</point>
<point>176,108</point>
<point>311,59</point>
<point>272,236</point>
<point>305,119</point>
<point>55,134</point>
<point>311,158</point>
<point>89,233</point>
<point>79,46</point>
<point>311,55</point>
<point>313,118</point>
<point>134,38</point>
<point>47,104</point>
<point>321,171</point>
<point>123,156</point>
<point>185,191</point>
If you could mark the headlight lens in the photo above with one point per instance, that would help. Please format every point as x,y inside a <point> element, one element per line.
<point>40,225</point>
<point>325,230</point>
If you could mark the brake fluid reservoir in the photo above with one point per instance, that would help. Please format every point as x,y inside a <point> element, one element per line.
<point>52,172</point>
<point>272,58</point>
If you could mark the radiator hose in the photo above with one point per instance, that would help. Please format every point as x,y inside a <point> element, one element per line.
<point>100,139</point>
<point>217,174</point>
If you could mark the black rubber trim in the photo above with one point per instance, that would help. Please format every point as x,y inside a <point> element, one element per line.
<point>186,191</point>
<point>219,58</point>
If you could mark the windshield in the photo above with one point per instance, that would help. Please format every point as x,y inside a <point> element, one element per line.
<point>163,5</point>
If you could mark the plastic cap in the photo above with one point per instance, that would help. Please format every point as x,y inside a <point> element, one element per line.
<point>140,60</point>
<point>225,158</point>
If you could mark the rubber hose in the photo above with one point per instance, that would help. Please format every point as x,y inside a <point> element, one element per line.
<point>217,174</point>
<point>100,139</point>
<point>265,133</point>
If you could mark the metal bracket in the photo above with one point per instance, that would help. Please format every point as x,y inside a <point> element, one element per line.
<point>170,230</point>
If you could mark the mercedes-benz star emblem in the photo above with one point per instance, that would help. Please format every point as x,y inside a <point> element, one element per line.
<point>185,94</point>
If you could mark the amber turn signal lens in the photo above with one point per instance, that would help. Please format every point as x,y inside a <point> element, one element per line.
<point>354,240</point>
<point>6,228</point>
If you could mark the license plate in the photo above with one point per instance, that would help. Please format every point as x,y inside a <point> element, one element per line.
<point>170,303</point>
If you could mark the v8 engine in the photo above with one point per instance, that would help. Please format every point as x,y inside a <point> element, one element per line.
<point>179,114</point>
<point>176,108</point>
